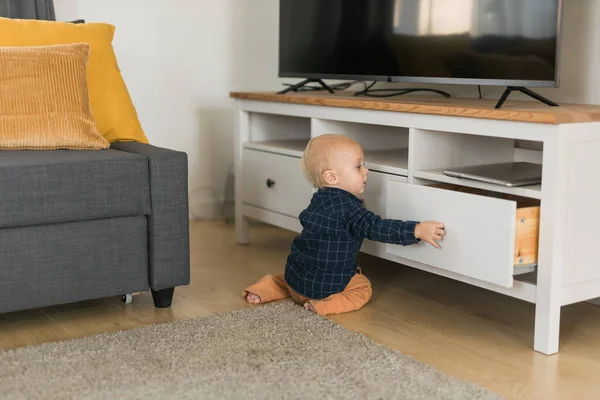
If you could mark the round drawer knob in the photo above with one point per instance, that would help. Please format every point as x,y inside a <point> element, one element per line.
<point>270,183</point>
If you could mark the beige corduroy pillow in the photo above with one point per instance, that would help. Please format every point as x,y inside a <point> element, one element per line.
<point>44,101</point>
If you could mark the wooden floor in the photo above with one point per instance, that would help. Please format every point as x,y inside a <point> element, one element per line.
<point>464,331</point>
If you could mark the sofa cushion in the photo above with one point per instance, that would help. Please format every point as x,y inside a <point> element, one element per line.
<point>51,186</point>
<point>111,103</point>
<point>44,102</point>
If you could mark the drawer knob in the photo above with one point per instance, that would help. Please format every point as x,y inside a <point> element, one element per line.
<point>270,183</point>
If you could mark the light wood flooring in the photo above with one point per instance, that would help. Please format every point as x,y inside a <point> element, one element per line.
<point>463,331</point>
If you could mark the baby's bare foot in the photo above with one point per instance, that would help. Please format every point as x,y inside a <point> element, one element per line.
<point>310,307</point>
<point>252,298</point>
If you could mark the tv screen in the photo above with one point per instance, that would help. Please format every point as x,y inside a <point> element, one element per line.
<point>494,42</point>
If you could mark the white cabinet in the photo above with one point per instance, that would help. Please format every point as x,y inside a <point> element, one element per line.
<point>493,231</point>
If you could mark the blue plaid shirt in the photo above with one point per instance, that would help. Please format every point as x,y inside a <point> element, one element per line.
<point>323,257</point>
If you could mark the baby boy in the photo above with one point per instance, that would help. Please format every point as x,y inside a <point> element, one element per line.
<point>321,271</point>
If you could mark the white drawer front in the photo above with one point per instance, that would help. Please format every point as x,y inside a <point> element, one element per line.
<point>480,231</point>
<point>274,182</point>
<point>375,196</point>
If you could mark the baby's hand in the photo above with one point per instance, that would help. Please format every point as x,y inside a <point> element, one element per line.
<point>430,231</point>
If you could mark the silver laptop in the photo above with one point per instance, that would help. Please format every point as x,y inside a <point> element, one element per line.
<point>505,174</point>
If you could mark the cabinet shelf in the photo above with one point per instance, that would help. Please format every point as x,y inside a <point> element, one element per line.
<point>531,191</point>
<point>393,161</point>
<point>290,147</point>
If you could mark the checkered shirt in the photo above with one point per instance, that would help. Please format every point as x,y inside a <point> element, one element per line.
<point>323,257</point>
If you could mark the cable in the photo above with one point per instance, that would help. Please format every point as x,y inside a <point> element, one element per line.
<point>366,89</point>
<point>344,85</point>
<point>337,86</point>
<point>479,88</point>
<point>403,91</point>
<point>396,92</point>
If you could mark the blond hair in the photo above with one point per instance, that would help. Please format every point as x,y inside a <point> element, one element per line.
<point>316,158</point>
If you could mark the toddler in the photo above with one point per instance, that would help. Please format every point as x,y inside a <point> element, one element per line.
<point>321,271</point>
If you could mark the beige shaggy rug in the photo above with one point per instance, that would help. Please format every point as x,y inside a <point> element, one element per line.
<point>276,351</point>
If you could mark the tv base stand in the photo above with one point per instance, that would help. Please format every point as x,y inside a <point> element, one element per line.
<point>526,91</point>
<point>304,82</point>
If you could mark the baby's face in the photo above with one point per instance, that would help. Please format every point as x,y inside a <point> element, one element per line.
<point>348,163</point>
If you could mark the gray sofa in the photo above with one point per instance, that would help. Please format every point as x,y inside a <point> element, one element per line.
<point>79,225</point>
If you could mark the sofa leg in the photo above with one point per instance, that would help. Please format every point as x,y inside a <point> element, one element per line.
<point>163,298</point>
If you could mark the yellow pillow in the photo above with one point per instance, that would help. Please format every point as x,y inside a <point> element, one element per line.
<point>44,102</point>
<point>112,107</point>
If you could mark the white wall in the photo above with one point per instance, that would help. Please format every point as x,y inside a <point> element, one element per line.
<point>181,58</point>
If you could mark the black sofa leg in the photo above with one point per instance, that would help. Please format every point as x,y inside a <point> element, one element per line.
<point>163,298</point>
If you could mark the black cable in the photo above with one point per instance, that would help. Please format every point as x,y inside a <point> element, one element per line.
<point>408,90</point>
<point>396,91</point>
<point>344,85</point>
<point>366,89</point>
<point>405,91</point>
<point>479,88</point>
<point>337,86</point>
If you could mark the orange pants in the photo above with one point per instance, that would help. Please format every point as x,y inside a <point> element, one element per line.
<point>355,295</point>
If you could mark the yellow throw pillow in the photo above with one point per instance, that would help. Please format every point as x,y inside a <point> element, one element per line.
<point>111,103</point>
<point>44,102</point>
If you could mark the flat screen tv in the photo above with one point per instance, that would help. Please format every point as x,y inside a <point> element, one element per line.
<point>481,42</point>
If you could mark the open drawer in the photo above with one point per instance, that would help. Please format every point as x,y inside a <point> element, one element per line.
<point>488,235</point>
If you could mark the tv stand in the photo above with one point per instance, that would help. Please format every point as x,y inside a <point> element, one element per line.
<point>549,228</point>
<point>526,91</point>
<point>304,82</point>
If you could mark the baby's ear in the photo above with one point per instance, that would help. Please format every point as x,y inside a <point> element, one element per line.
<point>330,177</point>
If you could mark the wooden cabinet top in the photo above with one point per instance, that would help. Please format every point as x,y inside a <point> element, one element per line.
<point>521,111</point>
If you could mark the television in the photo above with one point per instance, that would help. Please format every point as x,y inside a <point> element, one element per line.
<point>513,43</point>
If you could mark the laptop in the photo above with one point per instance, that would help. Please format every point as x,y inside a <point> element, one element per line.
<point>505,174</point>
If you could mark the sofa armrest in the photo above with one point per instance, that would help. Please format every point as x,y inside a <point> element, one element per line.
<point>168,224</point>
